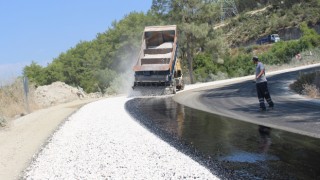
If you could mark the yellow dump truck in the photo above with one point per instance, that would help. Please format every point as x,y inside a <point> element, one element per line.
<point>157,64</point>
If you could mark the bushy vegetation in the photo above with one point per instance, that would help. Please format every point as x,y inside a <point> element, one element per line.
<point>94,65</point>
<point>308,84</point>
<point>105,63</point>
<point>238,63</point>
<point>284,51</point>
<point>276,15</point>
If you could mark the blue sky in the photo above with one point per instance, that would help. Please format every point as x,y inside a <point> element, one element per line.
<point>39,30</point>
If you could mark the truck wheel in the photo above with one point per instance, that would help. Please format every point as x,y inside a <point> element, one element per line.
<point>174,87</point>
<point>182,85</point>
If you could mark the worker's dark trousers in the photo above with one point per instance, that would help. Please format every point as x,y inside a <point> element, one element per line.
<point>263,93</point>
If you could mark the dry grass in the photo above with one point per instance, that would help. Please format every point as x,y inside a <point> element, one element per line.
<point>308,84</point>
<point>259,49</point>
<point>12,101</point>
<point>311,91</point>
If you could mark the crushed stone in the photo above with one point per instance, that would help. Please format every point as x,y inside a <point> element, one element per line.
<point>102,141</point>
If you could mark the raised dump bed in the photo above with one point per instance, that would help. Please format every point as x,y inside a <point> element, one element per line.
<point>157,61</point>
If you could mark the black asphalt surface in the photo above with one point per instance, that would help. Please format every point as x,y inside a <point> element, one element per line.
<point>292,112</point>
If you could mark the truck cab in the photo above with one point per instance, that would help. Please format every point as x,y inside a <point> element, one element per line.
<point>272,38</point>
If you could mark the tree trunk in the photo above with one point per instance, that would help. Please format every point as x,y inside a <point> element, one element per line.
<point>189,57</point>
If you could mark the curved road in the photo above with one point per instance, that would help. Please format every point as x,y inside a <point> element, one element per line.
<point>238,100</point>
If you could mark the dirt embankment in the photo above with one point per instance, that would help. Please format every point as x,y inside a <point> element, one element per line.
<point>22,136</point>
<point>14,104</point>
<point>59,92</point>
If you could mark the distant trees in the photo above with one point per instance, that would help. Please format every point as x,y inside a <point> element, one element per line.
<point>195,20</point>
<point>94,65</point>
<point>103,63</point>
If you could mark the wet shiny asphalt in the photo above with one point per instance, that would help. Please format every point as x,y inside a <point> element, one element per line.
<point>230,148</point>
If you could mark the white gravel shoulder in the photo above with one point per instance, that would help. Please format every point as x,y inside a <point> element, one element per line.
<point>102,141</point>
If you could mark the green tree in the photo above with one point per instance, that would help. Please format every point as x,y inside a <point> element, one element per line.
<point>35,73</point>
<point>194,19</point>
<point>115,50</point>
<point>54,72</point>
<point>160,8</point>
<point>104,78</point>
<point>310,37</point>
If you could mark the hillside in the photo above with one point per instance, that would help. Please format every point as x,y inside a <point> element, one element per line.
<point>207,52</point>
<point>247,27</point>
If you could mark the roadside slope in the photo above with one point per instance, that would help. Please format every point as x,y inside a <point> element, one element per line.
<point>23,138</point>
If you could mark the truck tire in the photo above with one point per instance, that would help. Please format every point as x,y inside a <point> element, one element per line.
<point>182,85</point>
<point>174,87</point>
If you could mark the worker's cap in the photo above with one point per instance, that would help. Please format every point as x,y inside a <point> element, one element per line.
<point>255,58</point>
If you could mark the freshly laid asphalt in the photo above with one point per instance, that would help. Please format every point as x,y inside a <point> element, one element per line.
<point>237,99</point>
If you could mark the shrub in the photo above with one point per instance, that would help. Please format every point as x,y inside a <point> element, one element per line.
<point>305,81</point>
<point>3,121</point>
<point>310,37</point>
<point>204,64</point>
<point>248,49</point>
<point>239,65</point>
<point>311,90</point>
<point>218,76</point>
<point>104,78</point>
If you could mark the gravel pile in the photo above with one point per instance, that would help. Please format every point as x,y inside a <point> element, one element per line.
<point>163,46</point>
<point>157,56</point>
<point>56,93</point>
<point>101,141</point>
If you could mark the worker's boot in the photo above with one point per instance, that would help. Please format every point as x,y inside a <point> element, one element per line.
<point>262,109</point>
<point>271,105</point>
<point>262,105</point>
<point>270,102</point>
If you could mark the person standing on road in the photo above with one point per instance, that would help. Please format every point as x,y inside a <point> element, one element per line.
<point>261,85</point>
